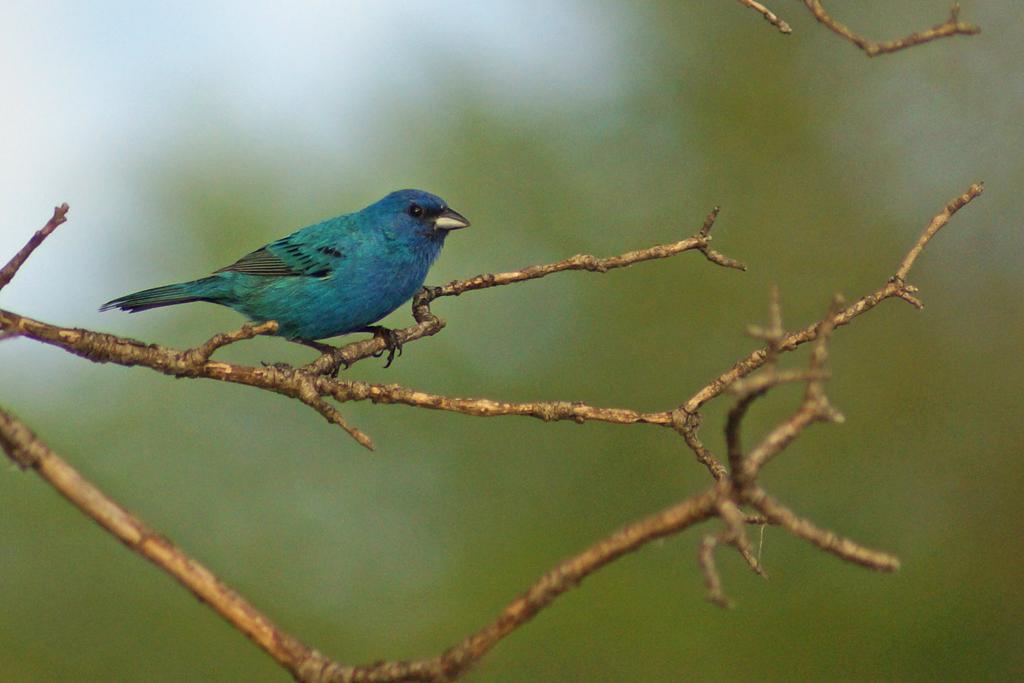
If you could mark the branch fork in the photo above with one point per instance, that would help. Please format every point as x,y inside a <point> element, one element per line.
<point>947,29</point>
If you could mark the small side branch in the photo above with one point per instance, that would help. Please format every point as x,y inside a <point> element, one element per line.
<point>699,242</point>
<point>59,217</point>
<point>841,547</point>
<point>741,488</point>
<point>896,287</point>
<point>455,661</point>
<point>936,224</point>
<point>202,353</point>
<point>951,27</point>
<point>311,397</point>
<point>768,15</point>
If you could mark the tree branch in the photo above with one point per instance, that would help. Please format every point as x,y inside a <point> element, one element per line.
<point>895,287</point>
<point>768,15</point>
<point>951,27</point>
<point>8,272</point>
<point>29,452</point>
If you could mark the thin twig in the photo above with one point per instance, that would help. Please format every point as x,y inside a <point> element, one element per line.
<point>769,16</point>
<point>8,272</point>
<point>951,27</point>
<point>698,242</point>
<point>203,352</point>
<point>815,406</point>
<point>896,287</point>
<point>736,532</point>
<point>742,487</point>
<point>686,424</point>
<point>713,582</point>
<point>309,395</point>
<point>936,224</point>
<point>543,592</point>
<point>779,514</point>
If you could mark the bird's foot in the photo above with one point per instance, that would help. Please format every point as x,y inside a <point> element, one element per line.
<point>337,364</point>
<point>335,368</point>
<point>392,344</point>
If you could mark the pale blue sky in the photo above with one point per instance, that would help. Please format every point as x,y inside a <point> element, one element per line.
<point>92,88</point>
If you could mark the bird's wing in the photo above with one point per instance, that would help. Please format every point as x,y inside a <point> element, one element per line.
<point>287,257</point>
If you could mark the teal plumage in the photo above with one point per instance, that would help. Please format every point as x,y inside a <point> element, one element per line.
<point>328,279</point>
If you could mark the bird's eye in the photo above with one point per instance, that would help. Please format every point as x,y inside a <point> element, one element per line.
<point>415,210</point>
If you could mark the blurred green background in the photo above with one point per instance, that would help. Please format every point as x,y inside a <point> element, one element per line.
<point>184,136</point>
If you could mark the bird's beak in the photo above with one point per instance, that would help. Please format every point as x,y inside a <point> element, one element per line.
<point>450,220</point>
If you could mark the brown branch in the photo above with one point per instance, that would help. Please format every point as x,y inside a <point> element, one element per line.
<point>300,383</point>
<point>896,287</point>
<point>8,272</point>
<point>309,395</point>
<point>736,532</point>
<point>699,242</point>
<point>203,352</point>
<point>768,15</point>
<point>713,582</point>
<point>841,547</point>
<point>936,224</point>
<point>951,27</point>
<point>543,592</point>
<point>548,411</point>
<point>686,424</point>
<point>29,452</point>
<point>815,407</point>
<point>307,665</point>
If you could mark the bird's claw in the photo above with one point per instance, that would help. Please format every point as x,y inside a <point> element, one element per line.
<point>335,368</point>
<point>392,344</point>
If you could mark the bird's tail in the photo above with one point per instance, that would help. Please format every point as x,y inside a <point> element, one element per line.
<point>168,295</point>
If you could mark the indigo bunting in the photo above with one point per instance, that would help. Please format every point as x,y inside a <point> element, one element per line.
<point>328,279</point>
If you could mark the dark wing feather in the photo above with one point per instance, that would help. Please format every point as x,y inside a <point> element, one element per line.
<point>260,262</point>
<point>287,257</point>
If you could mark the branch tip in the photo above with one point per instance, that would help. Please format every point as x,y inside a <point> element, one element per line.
<point>768,15</point>
<point>936,224</point>
<point>59,217</point>
<point>709,222</point>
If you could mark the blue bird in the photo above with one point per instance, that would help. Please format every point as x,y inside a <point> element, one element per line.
<point>328,279</point>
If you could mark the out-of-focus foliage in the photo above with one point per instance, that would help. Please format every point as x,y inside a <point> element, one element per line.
<point>827,166</point>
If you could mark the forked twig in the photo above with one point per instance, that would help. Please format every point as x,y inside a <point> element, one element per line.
<point>951,27</point>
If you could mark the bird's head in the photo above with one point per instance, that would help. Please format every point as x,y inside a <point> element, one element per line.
<point>420,212</point>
